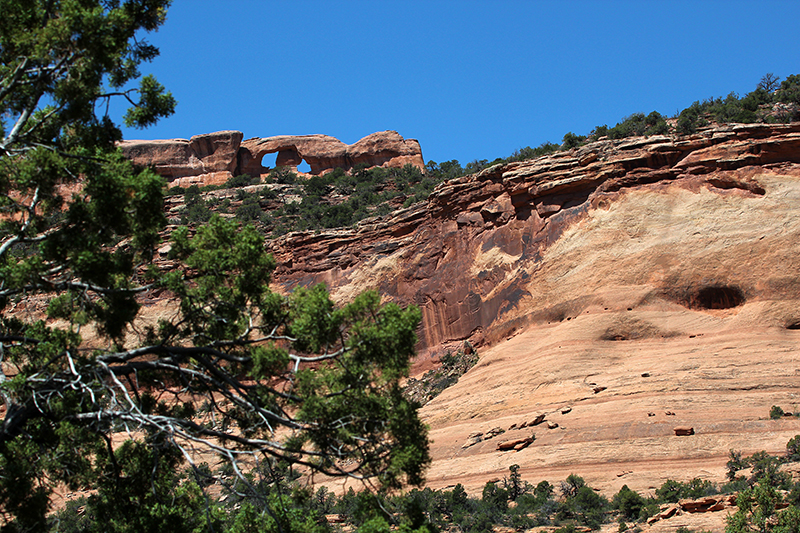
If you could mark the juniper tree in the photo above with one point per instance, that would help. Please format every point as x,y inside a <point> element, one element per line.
<point>230,367</point>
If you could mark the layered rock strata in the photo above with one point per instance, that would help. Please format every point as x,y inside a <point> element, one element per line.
<point>469,256</point>
<point>624,289</point>
<point>213,158</point>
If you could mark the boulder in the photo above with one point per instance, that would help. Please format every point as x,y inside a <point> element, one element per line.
<point>684,431</point>
<point>669,512</point>
<point>517,444</point>
<point>472,439</point>
<point>493,432</point>
<point>707,504</point>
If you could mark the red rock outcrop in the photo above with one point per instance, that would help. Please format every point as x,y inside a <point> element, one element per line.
<point>324,153</point>
<point>204,159</point>
<point>468,257</point>
<point>665,268</point>
<point>213,158</point>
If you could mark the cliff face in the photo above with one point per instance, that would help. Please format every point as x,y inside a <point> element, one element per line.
<point>641,296</point>
<point>473,257</point>
<point>213,158</point>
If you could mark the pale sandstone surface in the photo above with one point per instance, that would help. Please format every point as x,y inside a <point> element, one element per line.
<point>470,256</point>
<point>719,371</point>
<point>578,274</point>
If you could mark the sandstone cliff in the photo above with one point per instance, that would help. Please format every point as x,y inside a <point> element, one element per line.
<point>469,257</point>
<point>213,158</point>
<point>647,284</point>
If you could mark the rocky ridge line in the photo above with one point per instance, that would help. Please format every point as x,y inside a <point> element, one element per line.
<point>467,254</point>
<point>212,159</point>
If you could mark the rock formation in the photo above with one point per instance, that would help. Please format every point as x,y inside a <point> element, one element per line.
<point>213,158</point>
<point>664,268</point>
<point>469,256</point>
<point>204,159</point>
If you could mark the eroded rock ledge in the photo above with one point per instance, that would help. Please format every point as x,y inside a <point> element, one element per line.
<point>469,254</point>
<point>213,158</point>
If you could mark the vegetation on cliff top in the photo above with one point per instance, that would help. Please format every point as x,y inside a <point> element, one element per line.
<point>287,203</point>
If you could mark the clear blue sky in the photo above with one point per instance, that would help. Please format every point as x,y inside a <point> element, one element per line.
<point>468,79</point>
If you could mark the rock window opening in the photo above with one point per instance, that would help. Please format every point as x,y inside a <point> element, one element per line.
<point>268,161</point>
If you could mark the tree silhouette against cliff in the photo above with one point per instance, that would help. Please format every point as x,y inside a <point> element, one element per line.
<point>232,369</point>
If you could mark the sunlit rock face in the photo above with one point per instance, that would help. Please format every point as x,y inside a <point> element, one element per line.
<point>624,289</point>
<point>213,158</point>
<point>475,255</point>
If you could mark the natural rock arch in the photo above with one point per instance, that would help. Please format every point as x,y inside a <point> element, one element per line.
<point>213,158</point>
<point>324,153</point>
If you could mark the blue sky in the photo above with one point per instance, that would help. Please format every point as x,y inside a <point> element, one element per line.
<point>468,79</point>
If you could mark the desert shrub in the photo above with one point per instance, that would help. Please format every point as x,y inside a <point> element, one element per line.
<point>242,180</point>
<point>250,210</point>
<point>584,506</point>
<point>494,499</point>
<point>793,449</point>
<point>282,175</point>
<point>599,131</point>
<point>639,124</point>
<point>570,486</point>
<point>775,412</point>
<point>572,140</point>
<point>268,194</point>
<point>671,491</point>
<point>444,171</point>
<point>765,471</point>
<point>514,483</point>
<point>360,507</point>
<point>195,208</point>
<point>476,165</point>
<point>734,464</point>
<point>629,503</point>
<point>789,91</point>
<point>526,153</point>
<point>434,381</point>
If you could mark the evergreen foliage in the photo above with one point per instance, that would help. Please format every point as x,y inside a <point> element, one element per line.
<point>236,370</point>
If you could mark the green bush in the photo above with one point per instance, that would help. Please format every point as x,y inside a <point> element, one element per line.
<point>571,140</point>
<point>629,503</point>
<point>789,91</point>
<point>793,449</point>
<point>242,180</point>
<point>775,412</point>
<point>639,124</point>
<point>282,175</point>
<point>671,491</point>
<point>195,208</point>
<point>585,506</point>
<point>249,211</point>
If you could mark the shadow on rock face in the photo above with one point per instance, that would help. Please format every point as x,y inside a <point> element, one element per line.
<point>627,328</point>
<point>715,296</point>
